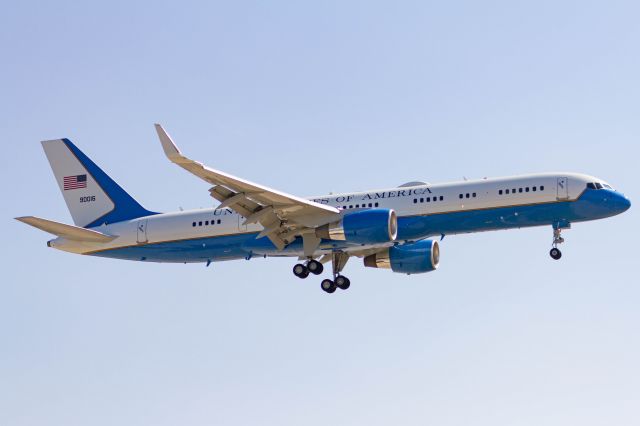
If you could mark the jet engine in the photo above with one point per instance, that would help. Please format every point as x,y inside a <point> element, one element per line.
<point>371,226</point>
<point>411,258</point>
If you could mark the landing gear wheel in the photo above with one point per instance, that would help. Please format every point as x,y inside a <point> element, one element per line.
<point>300,271</point>
<point>315,267</point>
<point>342,282</point>
<point>328,286</point>
<point>555,253</point>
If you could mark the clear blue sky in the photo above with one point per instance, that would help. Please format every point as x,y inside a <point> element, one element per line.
<point>311,98</point>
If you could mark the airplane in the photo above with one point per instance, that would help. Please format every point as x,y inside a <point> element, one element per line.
<point>393,228</point>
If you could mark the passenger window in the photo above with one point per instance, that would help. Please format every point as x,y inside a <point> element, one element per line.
<point>193,224</point>
<point>542,188</point>
<point>422,200</point>
<point>415,201</point>
<point>435,199</point>
<point>534,188</point>
<point>526,189</point>
<point>507,191</point>
<point>428,199</point>
<point>519,189</point>
<point>199,223</point>
<point>467,195</point>
<point>350,207</point>
<point>460,195</point>
<point>376,204</point>
<point>500,192</point>
<point>218,221</point>
<point>370,205</point>
<point>474,195</point>
<point>441,197</point>
<point>206,222</point>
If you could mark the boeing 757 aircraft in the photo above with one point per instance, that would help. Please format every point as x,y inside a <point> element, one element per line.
<point>393,228</point>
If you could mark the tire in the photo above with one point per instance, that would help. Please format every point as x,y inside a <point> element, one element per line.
<point>300,271</point>
<point>342,282</point>
<point>328,286</point>
<point>315,267</point>
<point>555,253</point>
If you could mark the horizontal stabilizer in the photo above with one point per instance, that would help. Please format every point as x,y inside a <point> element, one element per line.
<point>69,232</point>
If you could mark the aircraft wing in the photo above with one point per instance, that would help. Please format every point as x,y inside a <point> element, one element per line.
<point>281,214</point>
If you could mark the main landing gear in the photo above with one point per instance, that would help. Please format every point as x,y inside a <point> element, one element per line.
<point>338,261</point>
<point>303,270</point>
<point>555,252</point>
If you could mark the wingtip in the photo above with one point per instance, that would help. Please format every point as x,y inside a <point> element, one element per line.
<point>29,220</point>
<point>169,147</point>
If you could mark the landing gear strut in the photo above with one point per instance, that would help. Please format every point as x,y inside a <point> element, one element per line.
<point>338,262</point>
<point>555,252</point>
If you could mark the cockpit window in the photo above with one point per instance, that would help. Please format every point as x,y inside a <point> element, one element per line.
<point>598,185</point>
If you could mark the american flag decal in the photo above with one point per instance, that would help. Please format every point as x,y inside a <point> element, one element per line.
<point>75,182</point>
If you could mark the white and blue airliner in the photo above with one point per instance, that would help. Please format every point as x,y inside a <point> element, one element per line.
<point>395,228</point>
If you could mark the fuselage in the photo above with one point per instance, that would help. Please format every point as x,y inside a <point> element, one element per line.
<point>423,210</point>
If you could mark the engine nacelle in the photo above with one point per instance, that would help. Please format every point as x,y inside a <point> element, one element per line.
<point>371,226</point>
<point>412,258</point>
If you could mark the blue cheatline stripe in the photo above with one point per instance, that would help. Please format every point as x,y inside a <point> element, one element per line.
<point>126,208</point>
<point>237,246</point>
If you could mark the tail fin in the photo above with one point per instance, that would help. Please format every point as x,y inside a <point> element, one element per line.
<point>92,197</point>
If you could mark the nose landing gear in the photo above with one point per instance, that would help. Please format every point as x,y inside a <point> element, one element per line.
<point>555,252</point>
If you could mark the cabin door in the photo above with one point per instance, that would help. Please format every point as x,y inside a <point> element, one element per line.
<point>142,231</point>
<point>563,188</point>
<point>241,225</point>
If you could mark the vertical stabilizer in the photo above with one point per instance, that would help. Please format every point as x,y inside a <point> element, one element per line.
<point>93,198</point>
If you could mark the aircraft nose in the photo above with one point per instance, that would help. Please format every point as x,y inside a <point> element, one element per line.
<point>622,203</point>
